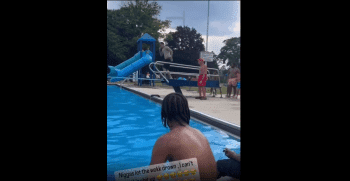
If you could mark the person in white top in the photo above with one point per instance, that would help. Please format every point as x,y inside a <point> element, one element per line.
<point>168,57</point>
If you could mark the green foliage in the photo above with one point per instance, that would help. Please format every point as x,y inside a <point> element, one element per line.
<point>186,44</point>
<point>224,72</point>
<point>115,50</point>
<point>169,37</point>
<point>186,39</point>
<point>127,24</point>
<point>231,51</point>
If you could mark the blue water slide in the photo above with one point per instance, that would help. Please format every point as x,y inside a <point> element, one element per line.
<point>145,60</point>
<point>131,60</point>
<point>137,56</point>
<point>113,72</point>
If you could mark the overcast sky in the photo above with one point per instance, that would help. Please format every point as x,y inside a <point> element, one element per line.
<point>224,18</point>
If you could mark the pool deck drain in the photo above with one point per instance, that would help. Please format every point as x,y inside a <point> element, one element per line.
<point>223,113</point>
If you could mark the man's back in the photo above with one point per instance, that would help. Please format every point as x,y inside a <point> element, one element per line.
<point>185,143</point>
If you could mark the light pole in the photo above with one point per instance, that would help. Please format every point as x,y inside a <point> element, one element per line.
<point>207,31</point>
<point>207,27</point>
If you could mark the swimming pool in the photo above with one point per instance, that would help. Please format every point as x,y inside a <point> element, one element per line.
<point>134,125</point>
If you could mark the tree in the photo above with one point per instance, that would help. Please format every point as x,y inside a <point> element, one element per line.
<point>231,52</point>
<point>186,44</point>
<point>127,24</point>
<point>115,50</point>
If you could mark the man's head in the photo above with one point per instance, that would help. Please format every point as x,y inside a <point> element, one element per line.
<point>200,61</point>
<point>175,110</point>
<point>162,44</point>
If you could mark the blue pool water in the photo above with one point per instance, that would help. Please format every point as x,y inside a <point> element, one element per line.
<point>134,125</point>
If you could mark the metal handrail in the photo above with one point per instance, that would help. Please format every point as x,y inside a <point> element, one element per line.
<point>123,81</point>
<point>126,78</point>
<point>212,75</point>
<point>182,73</point>
<point>157,71</point>
<point>184,66</point>
<point>179,66</point>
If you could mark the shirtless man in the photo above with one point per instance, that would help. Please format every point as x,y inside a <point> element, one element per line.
<point>183,142</point>
<point>202,80</point>
<point>232,83</point>
<point>238,80</point>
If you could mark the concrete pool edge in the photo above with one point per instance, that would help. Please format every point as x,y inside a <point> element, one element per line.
<point>231,128</point>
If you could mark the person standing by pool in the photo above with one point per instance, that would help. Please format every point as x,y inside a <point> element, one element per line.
<point>230,167</point>
<point>213,89</point>
<point>183,142</point>
<point>168,57</point>
<point>231,83</point>
<point>202,79</point>
<point>216,78</point>
<point>238,80</point>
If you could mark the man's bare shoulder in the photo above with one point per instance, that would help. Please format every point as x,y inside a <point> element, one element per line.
<point>174,137</point>
<point>164,141</point>
<point>199,132</point>
<point>169,137</point>
<point>170,140</point>
<point>164,137</point>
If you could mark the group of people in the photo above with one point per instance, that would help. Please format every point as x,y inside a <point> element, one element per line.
<point>202,78</point>
<point>185,142</point>
<point>233,83</point>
